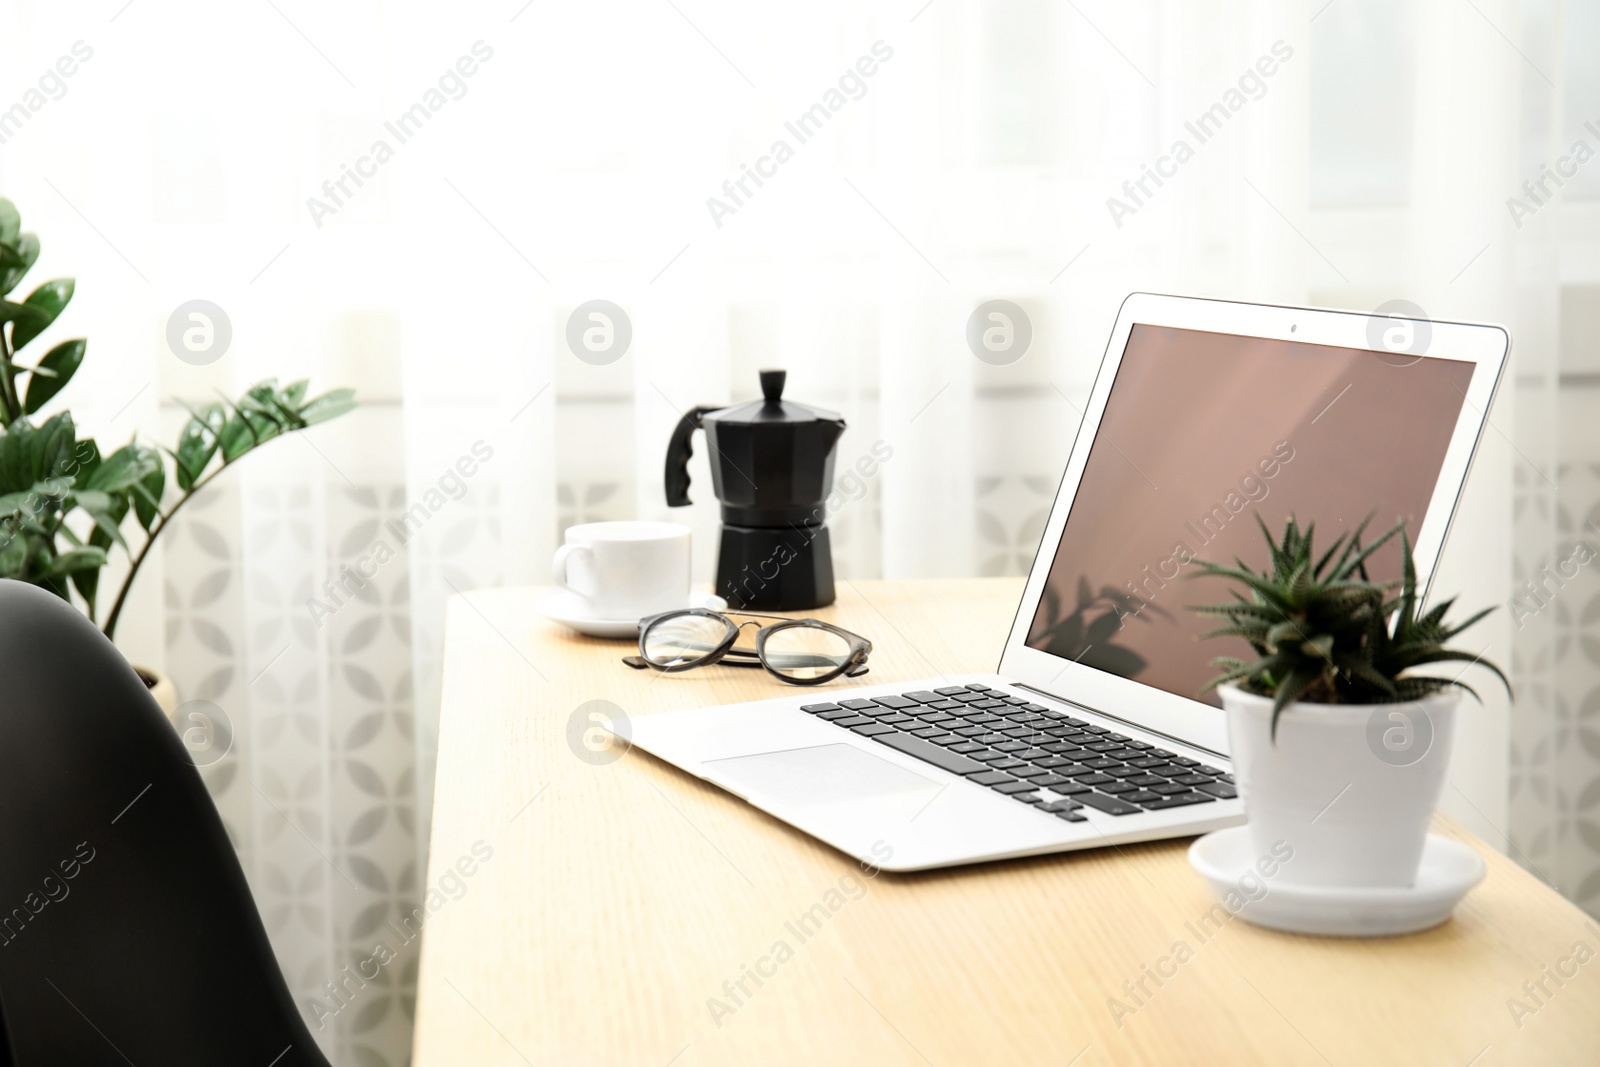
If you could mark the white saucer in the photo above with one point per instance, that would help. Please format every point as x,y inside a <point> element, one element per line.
<point>572,611</point>
<point>1448,870</point>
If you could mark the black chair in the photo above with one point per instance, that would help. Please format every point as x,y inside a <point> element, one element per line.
<point>127,931</point>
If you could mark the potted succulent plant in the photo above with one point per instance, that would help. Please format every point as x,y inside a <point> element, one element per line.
<point>63,501</point>
<point>1340,746</point>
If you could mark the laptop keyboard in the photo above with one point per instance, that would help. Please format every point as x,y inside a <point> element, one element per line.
<point>1029,752</point>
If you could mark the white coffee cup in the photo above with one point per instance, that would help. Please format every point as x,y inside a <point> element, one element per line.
<point>625,570</point>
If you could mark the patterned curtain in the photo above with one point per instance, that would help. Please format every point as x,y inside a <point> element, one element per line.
<point>429,203</point>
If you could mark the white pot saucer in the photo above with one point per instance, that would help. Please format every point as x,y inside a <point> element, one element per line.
<point>572,611</point>
<point>1449,869</point>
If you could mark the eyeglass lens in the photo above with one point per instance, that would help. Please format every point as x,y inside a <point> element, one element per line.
<point>805,652</point>
<point>680,641</point>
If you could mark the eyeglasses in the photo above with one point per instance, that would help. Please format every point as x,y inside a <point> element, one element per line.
<point>797,651</point>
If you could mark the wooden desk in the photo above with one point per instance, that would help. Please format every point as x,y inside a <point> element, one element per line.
<point>621,897</point>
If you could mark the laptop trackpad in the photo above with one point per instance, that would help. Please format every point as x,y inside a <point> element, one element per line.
<point>821,774</point>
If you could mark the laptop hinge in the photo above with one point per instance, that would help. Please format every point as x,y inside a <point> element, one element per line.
<point>1126,722</point>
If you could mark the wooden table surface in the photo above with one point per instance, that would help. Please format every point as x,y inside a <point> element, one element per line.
<point>622,903</point>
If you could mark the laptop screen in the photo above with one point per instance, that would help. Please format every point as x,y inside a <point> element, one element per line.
<point>1201,433</point>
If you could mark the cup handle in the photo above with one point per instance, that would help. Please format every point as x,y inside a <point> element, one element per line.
<point>558,567</point>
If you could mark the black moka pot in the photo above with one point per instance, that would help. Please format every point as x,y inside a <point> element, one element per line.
<point>772,468</point>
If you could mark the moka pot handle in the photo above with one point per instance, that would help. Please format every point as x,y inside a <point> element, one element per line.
<point>679,449</point>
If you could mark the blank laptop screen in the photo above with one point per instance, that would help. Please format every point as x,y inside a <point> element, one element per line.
<point>1202,432</point>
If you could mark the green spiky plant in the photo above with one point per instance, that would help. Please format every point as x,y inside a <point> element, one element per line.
<point>62,501</point>
<point>1321,627</point>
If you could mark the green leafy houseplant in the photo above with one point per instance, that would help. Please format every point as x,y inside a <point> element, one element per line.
<point>1320,626</point>
<point>62,500</point>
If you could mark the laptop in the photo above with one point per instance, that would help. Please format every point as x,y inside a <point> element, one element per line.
<point>1092,731</point>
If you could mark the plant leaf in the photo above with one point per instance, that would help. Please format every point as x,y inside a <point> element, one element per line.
<point>242,432</point>
<point>11,257</point>
<point>87,582</point>
<point>124,468</point>
<point>87,456</point>
<point>1299,680</point>
<point>107,524</point>
<point>147,494</point>
<point>75,559</point>
<point>27,249</point>
<point>14,503</point>
<point>11,311</point>
<point>329,405</point>
<point>1357,562</point>
<point>198,442</point>
<point>49,449</point>
<point>62,362</point>
<point>13,553</point>
<point>47,302</point>
<point>293,395</point>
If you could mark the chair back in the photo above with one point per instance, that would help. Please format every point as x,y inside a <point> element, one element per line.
<point>127,931</point>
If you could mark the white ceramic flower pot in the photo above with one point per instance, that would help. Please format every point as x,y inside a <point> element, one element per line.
<point>162,689</point>
<point>1352,787</point>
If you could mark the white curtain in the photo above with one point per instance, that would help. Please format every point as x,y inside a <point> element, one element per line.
<point>537,157</point>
